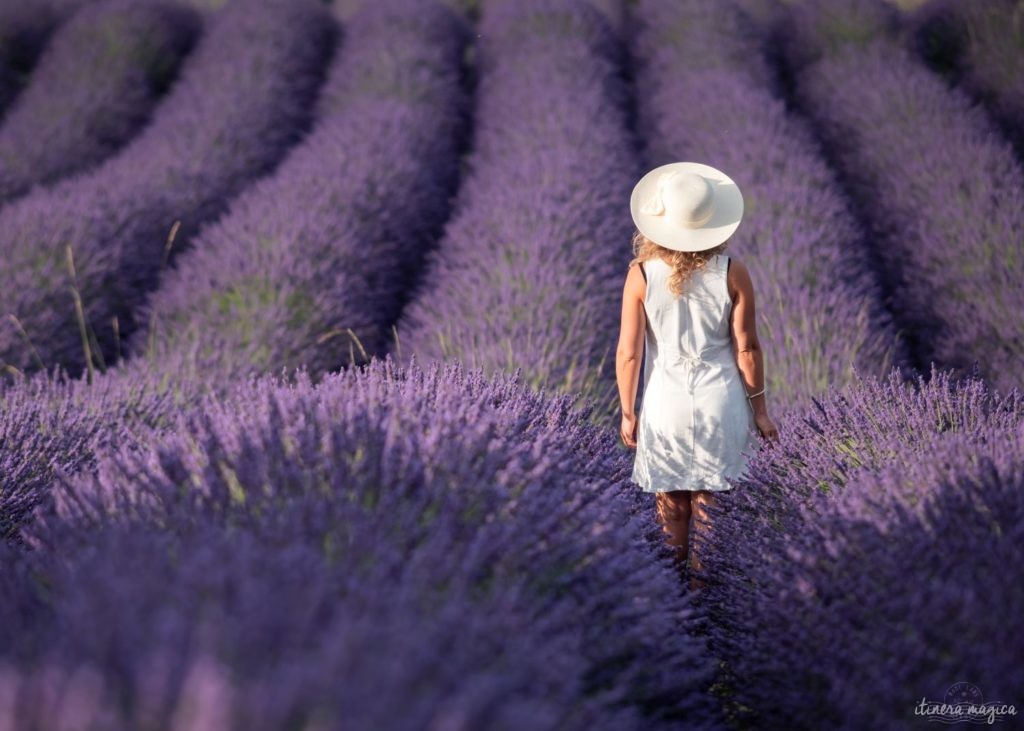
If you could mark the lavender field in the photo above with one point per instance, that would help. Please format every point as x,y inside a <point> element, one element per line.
<point>308,403</point>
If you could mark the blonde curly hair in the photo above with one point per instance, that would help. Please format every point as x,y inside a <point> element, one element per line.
<point>683,263</point>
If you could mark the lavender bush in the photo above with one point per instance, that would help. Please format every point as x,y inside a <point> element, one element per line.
<point>311,266</point>
<point>243,98</point>
<point>316,551</point>
<point>957,559</point>
<point>834,567</point>
<point>529,271</point>
<point>981,47</point>
<point>938,188</point>
<point>93,88</point>
<point>821,314</point>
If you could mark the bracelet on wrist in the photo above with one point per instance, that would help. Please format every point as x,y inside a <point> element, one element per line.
<point>753,395</point>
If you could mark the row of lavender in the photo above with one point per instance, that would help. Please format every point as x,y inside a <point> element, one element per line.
<point>821,313</point>
<point>78,257</point>
<point>457,541</point>
<point>89,94</point>
<point>937,186</point>
<point>529,272</point>
<point>310,266</point>
<point>858,572</point>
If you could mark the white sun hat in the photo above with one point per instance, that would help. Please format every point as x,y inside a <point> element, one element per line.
<point>686,206</point>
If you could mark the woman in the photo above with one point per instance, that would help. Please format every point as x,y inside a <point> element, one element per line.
<point>690,309</point>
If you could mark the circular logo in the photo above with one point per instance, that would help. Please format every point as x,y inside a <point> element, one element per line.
<point>962,693</point>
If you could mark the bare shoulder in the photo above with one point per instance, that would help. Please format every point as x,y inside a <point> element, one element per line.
<point>636,283</point>
<point>738,278</point>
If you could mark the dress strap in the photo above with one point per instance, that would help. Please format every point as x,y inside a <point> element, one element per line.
<point>642,271</point>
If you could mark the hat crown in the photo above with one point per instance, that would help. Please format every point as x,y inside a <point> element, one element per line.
<point>688,198</point>
<point>686,206</point>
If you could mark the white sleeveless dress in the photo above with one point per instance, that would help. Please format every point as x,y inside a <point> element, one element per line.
<point>695,425</point>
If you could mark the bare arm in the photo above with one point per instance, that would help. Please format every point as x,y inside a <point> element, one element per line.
<point>631,339</point>
<point>749,356</point>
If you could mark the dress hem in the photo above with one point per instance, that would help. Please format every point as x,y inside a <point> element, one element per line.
<point>646,488</point>
<point>687,489</point>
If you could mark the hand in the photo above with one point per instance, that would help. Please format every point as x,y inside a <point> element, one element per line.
<point>766,426</point>
<point>627,431</point>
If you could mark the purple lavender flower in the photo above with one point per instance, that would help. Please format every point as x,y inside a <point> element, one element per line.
<point>244,96</point>
<point>93,88</point>
<point>529,271</point>
<point>312,265</point>
<point>822,316</point>
<point>313,552</point>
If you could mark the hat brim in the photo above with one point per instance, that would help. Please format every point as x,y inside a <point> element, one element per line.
<point>723,222</point>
